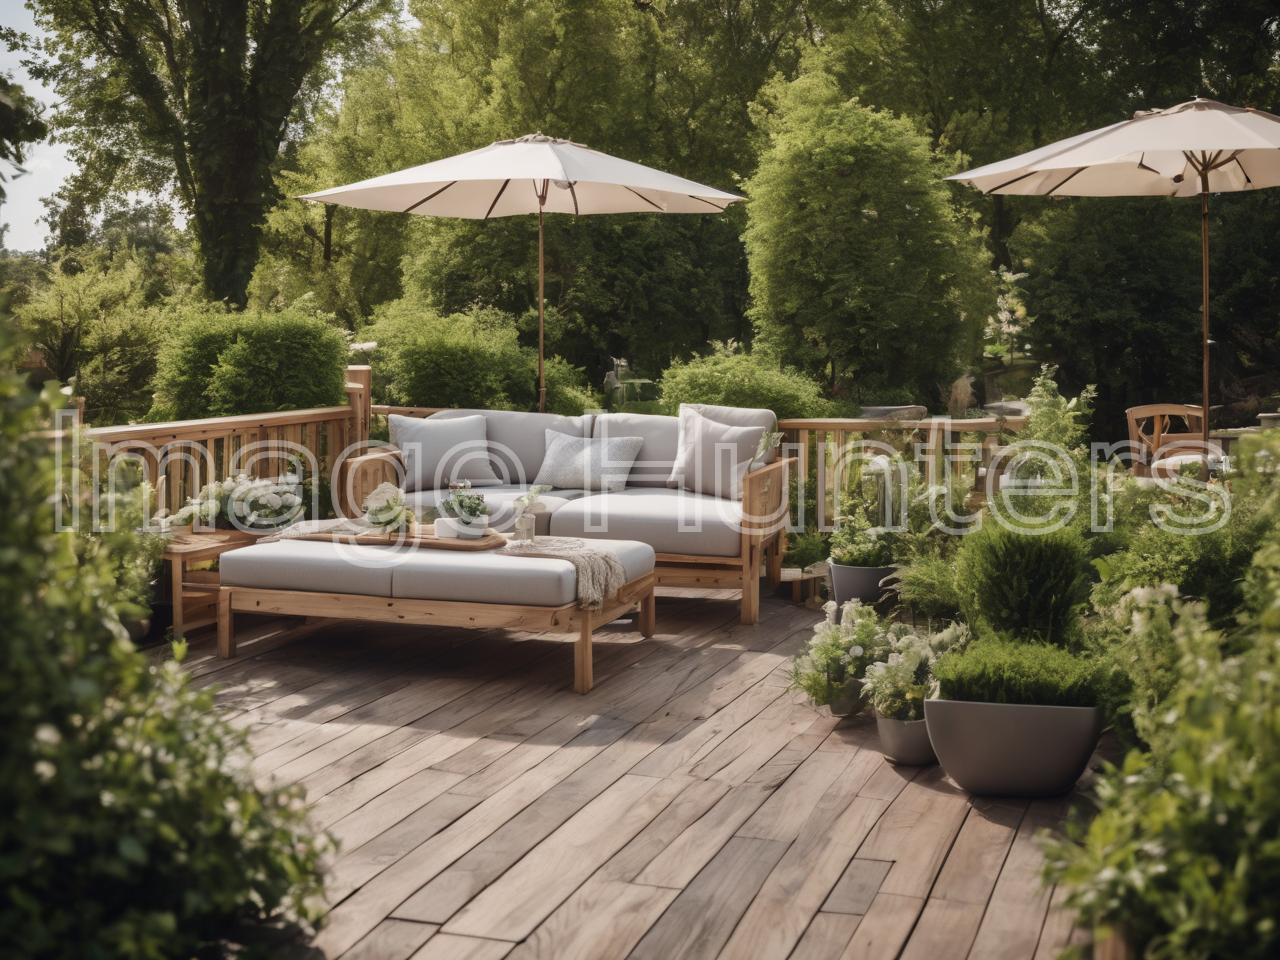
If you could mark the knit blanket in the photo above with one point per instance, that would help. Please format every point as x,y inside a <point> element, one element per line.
<point>600,574</point>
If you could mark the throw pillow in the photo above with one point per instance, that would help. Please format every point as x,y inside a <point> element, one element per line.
<point>440,452</point>
<point>588,463</point>
<point>713,457</point>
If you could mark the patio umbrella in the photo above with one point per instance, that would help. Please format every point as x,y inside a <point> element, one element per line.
<point>534,174</point>
<point>1196,148</point>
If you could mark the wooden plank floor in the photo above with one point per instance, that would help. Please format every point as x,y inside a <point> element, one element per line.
<point>690,806</point>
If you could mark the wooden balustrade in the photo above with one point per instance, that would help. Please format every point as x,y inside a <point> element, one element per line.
<point>180,457</point>
<point>836,446</point>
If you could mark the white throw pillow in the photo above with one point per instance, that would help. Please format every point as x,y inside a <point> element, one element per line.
<point>587,463</point>
<point>713,457</point>
<point>440,452</point>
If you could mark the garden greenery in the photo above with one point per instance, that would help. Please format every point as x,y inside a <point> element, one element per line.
<point>129,822</point>
<point>1010,671</point>
<point>842,646</point>
<point>899,685</point>
<point>858,544</point>
<point>731,378</point>
<point>218,364</point>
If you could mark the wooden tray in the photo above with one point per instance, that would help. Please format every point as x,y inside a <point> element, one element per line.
<point>422,536</point>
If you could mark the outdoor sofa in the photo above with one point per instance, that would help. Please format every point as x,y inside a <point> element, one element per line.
<point>720,538</point>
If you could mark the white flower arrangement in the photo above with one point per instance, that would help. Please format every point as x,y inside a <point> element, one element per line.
<point>245,502</point>
<point>899,684</point>
<point>385,509</point>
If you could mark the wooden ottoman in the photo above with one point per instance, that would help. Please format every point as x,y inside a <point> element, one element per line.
<point>343,581</point>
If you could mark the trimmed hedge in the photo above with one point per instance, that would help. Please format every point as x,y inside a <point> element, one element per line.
<point>224,364</point>
<point>995,671</point>
<point>745,380</point>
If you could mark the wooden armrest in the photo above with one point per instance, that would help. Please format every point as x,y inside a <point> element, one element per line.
<point>378,455</point>
<point>766,503</point>
<point>361,474</point>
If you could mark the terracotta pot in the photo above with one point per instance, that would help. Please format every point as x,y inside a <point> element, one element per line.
<point>1012,750</point>
<point>905,741</point>
<point>857,583</point>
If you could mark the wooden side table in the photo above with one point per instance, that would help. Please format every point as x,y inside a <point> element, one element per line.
<point>195,592</point>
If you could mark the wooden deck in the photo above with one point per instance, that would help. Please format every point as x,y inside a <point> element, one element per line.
<point>690,806</point>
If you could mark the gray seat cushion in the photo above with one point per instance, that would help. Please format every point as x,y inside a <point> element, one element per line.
<point>501,501</point>
<point>484,578</point>
<point>517,440</point>
<point>671,521</point>
<point>306,565</point>
<point>657,454</point>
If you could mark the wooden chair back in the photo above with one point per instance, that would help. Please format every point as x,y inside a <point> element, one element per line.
<point>1149,430</point>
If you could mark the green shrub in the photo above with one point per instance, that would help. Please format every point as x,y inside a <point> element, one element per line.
<point>1024,586</point>
<point>928,586</point>
<point>857,544</point>
<point>129,822</point>
<point>840,650</point>
<point>470,360</point>
<point>1183,853</point>
<point>1001,671</point>
<point>731,379</point>
<point>568,392</point>
<point>218,364</point>
<point>806,548</point>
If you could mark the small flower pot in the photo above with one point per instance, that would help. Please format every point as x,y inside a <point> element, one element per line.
<point>857,583</point>
<point>905,741</point>
<point>456,527</point>
<point>1012,750</point>
<point>849,701</point>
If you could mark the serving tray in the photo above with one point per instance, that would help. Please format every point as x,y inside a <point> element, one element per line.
<point>422,536</point>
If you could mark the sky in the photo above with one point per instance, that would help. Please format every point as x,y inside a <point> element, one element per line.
<point>47,163</point>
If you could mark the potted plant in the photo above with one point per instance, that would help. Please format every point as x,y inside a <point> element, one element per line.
<point>464,515</point>
<point>831,667</point>
<point>861,557</point>
<point>898,687</point>
<point>1015,719</point>
<point>384,509</point>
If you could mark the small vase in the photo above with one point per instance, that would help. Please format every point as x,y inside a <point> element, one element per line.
<point>526,525</point>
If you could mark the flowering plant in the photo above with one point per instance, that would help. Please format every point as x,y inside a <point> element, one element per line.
<point>384,508</point>
<point>245,502</point>
<point>899,684</point>
<point>840,651</point>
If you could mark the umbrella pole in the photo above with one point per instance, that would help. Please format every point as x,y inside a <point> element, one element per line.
<point>1204,256</point>
<point>542,383</point>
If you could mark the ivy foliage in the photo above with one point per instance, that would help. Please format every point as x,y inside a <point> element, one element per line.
<point>129,823</point>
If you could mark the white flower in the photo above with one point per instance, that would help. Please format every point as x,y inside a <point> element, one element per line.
<point>272,500</point>
<point>291,499</point>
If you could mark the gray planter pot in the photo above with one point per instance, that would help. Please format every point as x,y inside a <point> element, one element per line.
<point>857,583</point>
<point>1012,750</point>
<point>905,741</point>
<point>850,702</point>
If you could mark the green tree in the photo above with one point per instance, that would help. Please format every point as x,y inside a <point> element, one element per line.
<point>862,272</point>
<point>20,123</point>
<point>197,96</point>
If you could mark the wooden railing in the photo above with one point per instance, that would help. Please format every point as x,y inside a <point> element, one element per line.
<point>180,457</point>
<point>836,447</point>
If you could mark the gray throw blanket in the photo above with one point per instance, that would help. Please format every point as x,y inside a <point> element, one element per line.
<point>600,573</point>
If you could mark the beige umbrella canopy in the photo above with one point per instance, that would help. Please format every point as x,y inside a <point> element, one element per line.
<point>534,174</point>
<point>1196,148</point>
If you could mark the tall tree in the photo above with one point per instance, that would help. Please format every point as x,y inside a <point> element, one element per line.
<point>20,124</point>
<point>193,95</point>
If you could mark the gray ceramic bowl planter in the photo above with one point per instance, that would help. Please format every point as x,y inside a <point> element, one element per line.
<point>850,701</point>
<point>905,741</point>
<point>857,583</point>
<point>1010,749</point>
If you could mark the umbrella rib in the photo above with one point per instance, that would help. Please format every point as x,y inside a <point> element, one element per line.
<point>432,197</point>
<point>501,189</point>
<point>1008,183</point>
<point>573,193</point>
<point>1064,182</point>
<point>1247,178</point>
<point>707,202</point>
<point>644,198</point>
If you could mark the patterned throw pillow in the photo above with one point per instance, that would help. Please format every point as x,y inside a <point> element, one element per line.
<point>588,463</point>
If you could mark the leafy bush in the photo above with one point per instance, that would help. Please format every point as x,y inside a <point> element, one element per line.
<point>568,392</point>
<point>858,544</point>
<point>1022,585</point>
<point>732,379</point>
<point>840,651</point>
<point>129,823</point>
<point>806,548</point>
<point>1002,671</point>
<point>1183,854</point>
<point>218,364</point>
<point>928,586</point>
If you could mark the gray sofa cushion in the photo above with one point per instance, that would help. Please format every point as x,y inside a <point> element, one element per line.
<point>517,440</point>
<point>671,521</point>
<point>713,456</point>
<point>740,417</point>
<point>592,463</point>
<point>437,453</point>
<point>661,436</point>
<point>306,565</point>
<point>482,577</point>
<point>501,502</point>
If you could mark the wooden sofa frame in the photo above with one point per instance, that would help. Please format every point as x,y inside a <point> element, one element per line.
<point>765,506</point>
<point>634,596</point>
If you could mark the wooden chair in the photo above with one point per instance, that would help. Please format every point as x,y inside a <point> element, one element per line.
<point>1161,449</point>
